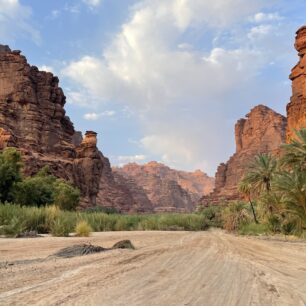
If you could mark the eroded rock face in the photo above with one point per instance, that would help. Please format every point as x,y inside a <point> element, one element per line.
<point>262,131</point>
<point>296,109</point>
<point>118,192</point>
<point>165,189</point>
<point>32,118</point>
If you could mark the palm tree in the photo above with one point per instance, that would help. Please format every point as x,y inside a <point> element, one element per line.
<point>246,188</point>
<point>292,186</point>
<point>261,173</point>
<point>295,152</point>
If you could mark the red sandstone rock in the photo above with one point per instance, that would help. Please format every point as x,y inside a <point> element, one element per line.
<point>262,131</point>
<point>32,118</point>
<point>296,109</point>
<point>164,188</point>
<point>117,192</point>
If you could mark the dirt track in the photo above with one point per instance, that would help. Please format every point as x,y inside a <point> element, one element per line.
<point>168,268</point>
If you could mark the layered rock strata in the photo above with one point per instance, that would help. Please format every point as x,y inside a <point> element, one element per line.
<point>33,119</point>
<point>118,192</point>
<point>166,189</point>
<point>262,131</point>
<point>296,109</point>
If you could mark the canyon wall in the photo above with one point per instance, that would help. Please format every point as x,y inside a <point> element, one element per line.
<point>262,131</point>
<point>296,109</point>
<point>166,189</point>
<point>33,119</point>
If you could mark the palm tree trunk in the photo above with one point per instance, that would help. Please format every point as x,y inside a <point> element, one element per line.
<point>253,210</point>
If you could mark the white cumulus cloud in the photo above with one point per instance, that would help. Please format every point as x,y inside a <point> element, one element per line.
<point>92,3</point>
<point>46,68</point>
<point>262,17</point>
<point>125,159</point>
<point>187,95</point>
<point>96,116</point>
<point>15,21</point>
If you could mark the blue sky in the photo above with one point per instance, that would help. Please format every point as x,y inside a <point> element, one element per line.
<point>161,80</point>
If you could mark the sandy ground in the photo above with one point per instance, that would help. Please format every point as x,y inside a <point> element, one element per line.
<point>168,268</point>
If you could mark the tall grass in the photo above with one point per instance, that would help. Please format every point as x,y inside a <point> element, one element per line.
<point>15,219</point>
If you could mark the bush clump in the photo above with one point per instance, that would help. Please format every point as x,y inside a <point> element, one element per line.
<point>83,229</point>
<point>62,226</point>
<point>213,215</point>
<point>235,215</point>
<point>44,189</point>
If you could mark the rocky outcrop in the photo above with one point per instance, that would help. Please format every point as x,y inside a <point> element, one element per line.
<point>162,188</point>
<point>33,119</point>
<point>262,131</point>
<point>121,193</point>
<point>296,109</point>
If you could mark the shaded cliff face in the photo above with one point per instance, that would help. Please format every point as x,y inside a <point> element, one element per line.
<point>166,189</point>
<point>262,131</point>
<point>118,192</point>
<point>32,118</point>
<point>296,109</point>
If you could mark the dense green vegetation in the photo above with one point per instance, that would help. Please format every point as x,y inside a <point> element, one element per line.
<point>276,191</point>
<point>39,190</point>
<point>15,219</point>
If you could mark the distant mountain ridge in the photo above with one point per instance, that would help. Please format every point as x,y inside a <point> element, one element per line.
<point>165,188</point>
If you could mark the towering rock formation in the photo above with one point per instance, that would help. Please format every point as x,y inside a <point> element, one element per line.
<point>296,109</point>
<point>32,118</point>
<point>262,131</point>
<point>163,188</point>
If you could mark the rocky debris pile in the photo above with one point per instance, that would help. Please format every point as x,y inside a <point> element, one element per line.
<point>87,249</point>
<point>79,250</point>
<point>296,109</point>
<point>124,244</point>
<point>161,188</point>
<point>262,131</point>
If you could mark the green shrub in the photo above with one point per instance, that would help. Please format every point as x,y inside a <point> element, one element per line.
<point>36,190</point>
<point>83,229</point>
<point>148,224</point>
<point>126,223</point>
<point>101,209</point>
<point>35,219</point>
<point>51,219</point>
<point>187,222</point>
<point>62,226</point>
<point>101,222</point>
<point>52,212</point>
<point>44,189</point>
<point>65,196</point>
<point>254,229</point>
<point>10,166</point>
<point>13,228</point>
<point>213,215</point>
<point>274,223</point>
<point>235,215</point>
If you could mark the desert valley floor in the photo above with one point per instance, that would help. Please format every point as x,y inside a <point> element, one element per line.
<point>167,268</point>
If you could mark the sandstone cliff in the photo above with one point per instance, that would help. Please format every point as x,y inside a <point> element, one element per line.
<point>262,131</point>
<point>32,118</point>
<point>296,109</point>
<point>163,188</point>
